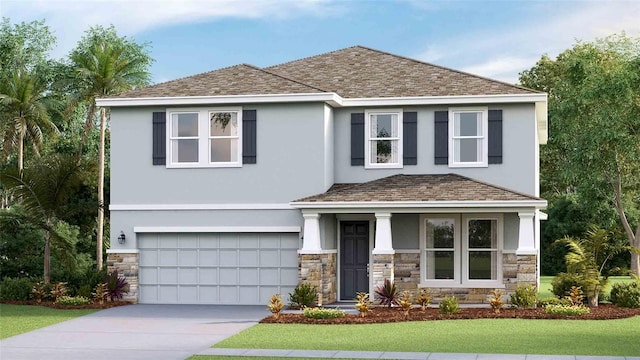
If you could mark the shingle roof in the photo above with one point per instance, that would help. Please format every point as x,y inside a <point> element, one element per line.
<point>360,72</point>
<point>240,79</point>
<point>355,72</point>
<point>442,187</point>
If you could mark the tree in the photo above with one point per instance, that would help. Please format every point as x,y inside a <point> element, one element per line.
<point>24,46</point>
<point>104,65</point>
<point>42,190</point>
<point>594,112</point>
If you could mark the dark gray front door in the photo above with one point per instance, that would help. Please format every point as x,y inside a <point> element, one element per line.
<point>354,258</point>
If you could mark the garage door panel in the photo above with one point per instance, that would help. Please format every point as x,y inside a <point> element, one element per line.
<point>269,241</point>
<point>207,257</point>
<point>228,276</point>
<point>208,276</point>
<point>148,293</point>
<point>248,257</point>
<point>168,294</point>
<point>208,294</point>
<point>228,257</point>
<point>289,276</point>
<point>188,257</point>
<point>149,257</point>
<point>228,241</point>
<point>148,275</point>
<point>168,257</point>
<point>266,292</point>
<point>188,294</point>
<point>248,241</point>
<point>289,242</point>
<point>148,242</point>
<point>288,257</point>
<point>188,241</point>
<point>168,241</point>
<point>269,276</point>
<point>249,295</point>
<point>188,276</point>
<point>270,258</point>
<point>248,276</point>
<point>168,275</point>
<point>208,241</point>
<point>228,294</point>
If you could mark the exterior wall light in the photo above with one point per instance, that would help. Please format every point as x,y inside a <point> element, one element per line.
<point>122,238</point>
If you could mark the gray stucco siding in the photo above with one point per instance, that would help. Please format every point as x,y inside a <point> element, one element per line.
<point>517,171</point>
<point>290,157</point>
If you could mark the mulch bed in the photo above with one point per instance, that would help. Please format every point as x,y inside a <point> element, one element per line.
<point>51,304</point>
<point>386,315</point>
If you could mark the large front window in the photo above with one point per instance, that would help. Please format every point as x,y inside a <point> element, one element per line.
<point>461,250</point>
<point>468,137</point>
<point>205,138</point>
<point>383,139</point>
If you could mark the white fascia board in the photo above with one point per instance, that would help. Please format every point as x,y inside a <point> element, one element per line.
<point>216,229</point>
<point>448,100</point>
<point>537,204</point>
<point>330,98</point>
<point>172,207</point>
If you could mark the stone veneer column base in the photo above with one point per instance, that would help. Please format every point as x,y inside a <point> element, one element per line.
<point>382,269</point>
<point>127,266</point>
<point>319,270</point>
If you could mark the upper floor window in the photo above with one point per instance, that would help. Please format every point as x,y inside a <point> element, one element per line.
<point>468,141</point>
<point>383,138</point>
<point>205,138</point>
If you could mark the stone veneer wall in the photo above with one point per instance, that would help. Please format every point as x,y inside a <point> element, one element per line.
<point>407,271</point>
<point>319,270</point>
<point>382,269</point>
<point>127,266</point>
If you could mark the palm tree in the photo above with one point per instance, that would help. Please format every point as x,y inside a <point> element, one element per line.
<point>24,111</point>
<point>106,68</point>
<point>42,190</point>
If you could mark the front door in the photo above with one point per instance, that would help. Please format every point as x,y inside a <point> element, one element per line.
<point>354,258</point>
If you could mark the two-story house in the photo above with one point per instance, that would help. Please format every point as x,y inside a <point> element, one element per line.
<point>341,170</point>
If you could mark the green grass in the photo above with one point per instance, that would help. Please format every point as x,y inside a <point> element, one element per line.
<point>18,319</point>
<point>545,285</point>
<point>508,336</point>
<point>220,357</point>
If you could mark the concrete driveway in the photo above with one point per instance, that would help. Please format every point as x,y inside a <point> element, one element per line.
<point>134,332</point>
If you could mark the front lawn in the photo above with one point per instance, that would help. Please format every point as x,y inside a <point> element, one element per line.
<point>545,285</point>
<point>506,336</point>
<point>18,319</point>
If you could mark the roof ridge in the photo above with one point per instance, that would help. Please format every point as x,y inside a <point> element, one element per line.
<point>445,68</point>
<point>312,56</point>
<point>285,77</point>
<point>496,186</point>
<point>188,76</point>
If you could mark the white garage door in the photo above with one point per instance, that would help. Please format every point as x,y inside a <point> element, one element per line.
<point>216,268</point>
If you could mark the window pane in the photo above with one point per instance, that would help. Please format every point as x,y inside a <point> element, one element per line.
<point>440,233</point>
<point>384,125</point>
<point>184,151</point>
<point>482,265</point>
<point>184,124</point>
<point>384,151</point>
<point>468,150</point>
<point>224,124</point>
<point>483,234</point>
<point>468,124</point>
<point>440,265</point>
<point>224,150</point>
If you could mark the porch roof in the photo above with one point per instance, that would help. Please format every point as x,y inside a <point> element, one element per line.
<point>441,190</point>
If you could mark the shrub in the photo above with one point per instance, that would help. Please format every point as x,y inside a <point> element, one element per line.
<point>567,310</point>
<point>275,305</point>
<point>59,290</point>
<point>72,300</point>
<point>303,295</point>
<point>363,303</point>
<point>626,294</point>
<point>116,285</point>
<point>101,293</point>
<point>524,297</point>
<point>322,313</point>
<point>576,296</point>
<point>495,300</point>
<point>449,305</point>
<point>561,284</point>
<point>424,299</point>
<point>84,291</point>
<point>387,293</point>
<point>40,291</point>
<point>15,289</point>
<point>405,303</point>
<point>553,301</point>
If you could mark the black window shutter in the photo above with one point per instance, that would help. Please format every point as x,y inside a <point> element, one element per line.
<point>410,138</point>
<point>357,139</point>
<point>159,138</point>
<point>441,140</point>
<point>495,137</point>
<point>249,137</point>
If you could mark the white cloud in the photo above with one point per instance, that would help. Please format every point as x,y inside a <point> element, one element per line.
<point>70,18</point>
<point>505,68</point>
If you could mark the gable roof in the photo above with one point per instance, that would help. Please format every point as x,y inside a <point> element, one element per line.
<point>354,72</point>
<point>361,72</point>
<point>417,188</point>
<point>240,79</point>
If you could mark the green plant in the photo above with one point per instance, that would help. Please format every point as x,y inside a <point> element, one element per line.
<point>322,313</point>
<point>15,289</point>
<point>553,301</point>
<point>116,285</point>
<point>275,305</point>
<point>72,300</point>
<point>387,293</point>
<point>84,290</point>
<point>405,303</point>
<point>626,294</point>
<point>449,305</point>
<point>524,297</point>
<point>58,290</point>
<point>101,293</point>
<point>495,300</point>
<point>561,284</point>
<point>576,296</point>
<point>303,295</point>
<point>567,310</point>
<point>40,291</point>
<point>363,303</point>
<point>424,299</point>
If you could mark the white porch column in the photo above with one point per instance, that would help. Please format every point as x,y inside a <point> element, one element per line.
<point>526,235</point>
<point>383,243</point>
<point>311,234</point>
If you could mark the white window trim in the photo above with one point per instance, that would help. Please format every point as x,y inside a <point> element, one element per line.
<point>204,138</point>
<point>461,246</point>
<point>485,136</point>
<point>368,164</point>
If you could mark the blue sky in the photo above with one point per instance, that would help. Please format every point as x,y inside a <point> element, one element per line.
<point>496,39</point>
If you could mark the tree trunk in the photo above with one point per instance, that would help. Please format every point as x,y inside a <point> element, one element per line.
<point>593,300</point>
<point>47,254</point>
<point>634,238</point>
<point>21,151</point>
<point>103,119</point>
<point>635,264</point>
